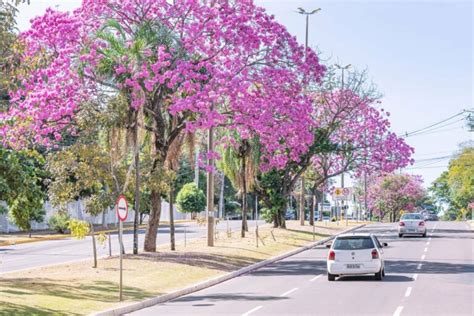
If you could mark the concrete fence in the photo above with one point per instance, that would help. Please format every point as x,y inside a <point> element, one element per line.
<point>77,210</point>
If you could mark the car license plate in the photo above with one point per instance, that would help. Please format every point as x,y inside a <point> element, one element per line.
<point>353,266</point>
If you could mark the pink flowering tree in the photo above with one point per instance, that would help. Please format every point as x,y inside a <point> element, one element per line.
<point>391,193</point>
<point>349,134</point>
<point>183,65</point>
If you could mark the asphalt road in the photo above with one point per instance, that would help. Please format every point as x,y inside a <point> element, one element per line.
<point>424,276</point>
<point>44,253</point>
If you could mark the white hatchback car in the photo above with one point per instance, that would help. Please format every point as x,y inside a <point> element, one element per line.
<point>412,223</point>
<point>355,254</point>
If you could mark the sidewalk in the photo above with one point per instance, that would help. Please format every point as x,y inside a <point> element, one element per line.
<point>79,289</point>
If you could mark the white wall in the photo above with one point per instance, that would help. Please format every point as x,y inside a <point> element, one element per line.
<point>76,210</point>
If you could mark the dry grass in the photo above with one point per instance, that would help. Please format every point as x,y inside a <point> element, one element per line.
<point>78,289</point>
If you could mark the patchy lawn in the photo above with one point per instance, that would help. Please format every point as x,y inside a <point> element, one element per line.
<point>78,289</point>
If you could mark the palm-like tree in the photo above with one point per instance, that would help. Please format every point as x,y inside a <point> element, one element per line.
<point>240,164</point>
<point>137,45</point>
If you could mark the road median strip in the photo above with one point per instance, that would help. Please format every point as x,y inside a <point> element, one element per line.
<point>203,285</point>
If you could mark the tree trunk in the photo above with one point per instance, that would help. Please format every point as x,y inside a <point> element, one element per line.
<point>221,197</point>
<point>311,209</point>
<point>104,222</point>
<point>302,200</point>
<point>245,227</point>
<point>172,241</point>
<point>322,206</point>
<point>137,189</point>
<point>94,246</point>
<point>153,222</point>
<point>282,222</point>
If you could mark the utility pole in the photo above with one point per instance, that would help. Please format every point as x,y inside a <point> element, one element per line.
<point>307,14</point>
<point>302,200</point>
<point>221,196</point>
<point>342,68</point>
<point>136,219</point>
<point>210,191</point>
<point>196,167</point>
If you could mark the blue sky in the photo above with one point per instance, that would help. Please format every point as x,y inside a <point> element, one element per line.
<point>418,53</point>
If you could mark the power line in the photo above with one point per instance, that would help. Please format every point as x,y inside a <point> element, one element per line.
<point>407,134</point>
<point>436,129</point>
<point>433,159</point>
<point>430,167</point>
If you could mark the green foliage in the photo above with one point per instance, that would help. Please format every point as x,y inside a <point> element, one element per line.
<point>59,221</point>
<point>276,200</point>
<point>101,238</point>
<point>191,199</point>
<point>81,171</point>
<point>21,186</point>
<point>455,187</point>
<point>79,229</point>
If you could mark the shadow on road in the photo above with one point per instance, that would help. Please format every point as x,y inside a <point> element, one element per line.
<point>229,297</point>
<point>429,267</point>
<point>388,278</point>
<point>293,267</point>
<point>454,231</point>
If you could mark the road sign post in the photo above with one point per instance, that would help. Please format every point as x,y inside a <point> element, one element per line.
<point>122,213</point>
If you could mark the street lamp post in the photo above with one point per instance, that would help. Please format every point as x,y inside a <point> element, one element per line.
<point>302,196</point>
<point>342,68</point>
<point>307,13</point>
<point>210,191</point>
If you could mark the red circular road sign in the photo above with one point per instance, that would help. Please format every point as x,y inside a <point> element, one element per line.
<point>121,207</point>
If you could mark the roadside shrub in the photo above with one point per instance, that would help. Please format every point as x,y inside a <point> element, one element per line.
<point>79,229</point>
<point>191,199</point>
<point>59,222</point>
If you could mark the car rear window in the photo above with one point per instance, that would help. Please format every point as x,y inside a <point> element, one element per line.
<point>411,216</point>
<point>353,243</point>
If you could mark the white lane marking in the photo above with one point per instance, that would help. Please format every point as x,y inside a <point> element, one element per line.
<point>423,257</point>
<point>419,266</point>
<point>398,311</point>
<point>415,276</point>
<point>408,292</point>
<point>290,291</point>
<point>429,239</point>
<point>427,243</point>
<point>315,278</point>
<point>426,249</point>
<point>252,310</point>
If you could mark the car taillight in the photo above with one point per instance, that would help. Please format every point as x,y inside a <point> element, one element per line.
<point>402,224</point>
<point>375,254</point>
<point>421,224</point>
<point>332,255</point>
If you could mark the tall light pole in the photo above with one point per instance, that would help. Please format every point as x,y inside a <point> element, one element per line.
<point>342,68</point>
<point>210,190</point>
<point>302,197</point>
<point>307,13</point>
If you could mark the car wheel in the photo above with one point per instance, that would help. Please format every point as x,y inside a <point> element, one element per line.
<point>383,272</point>
<point>424,234</point>
<point>379,275</point>
<point>331,277</point>
<point>400,235</point>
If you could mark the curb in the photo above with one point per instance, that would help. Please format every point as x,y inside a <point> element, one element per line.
<point>205,284</point>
